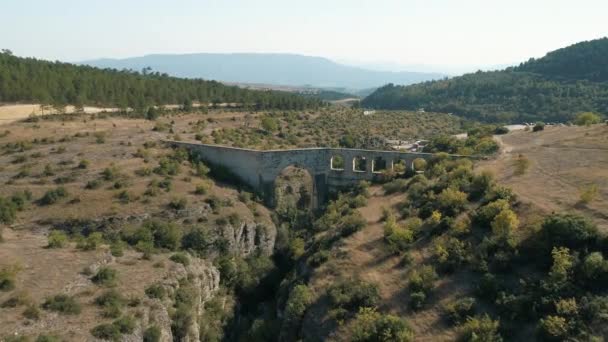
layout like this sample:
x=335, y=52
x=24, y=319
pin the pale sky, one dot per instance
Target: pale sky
x=448, y=33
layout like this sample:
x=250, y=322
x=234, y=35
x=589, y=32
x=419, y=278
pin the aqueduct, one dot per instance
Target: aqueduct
x=330, y=168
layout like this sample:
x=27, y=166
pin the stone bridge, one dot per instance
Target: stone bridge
x=330, y=168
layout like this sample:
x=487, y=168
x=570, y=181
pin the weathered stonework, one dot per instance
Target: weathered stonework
x=259, y=169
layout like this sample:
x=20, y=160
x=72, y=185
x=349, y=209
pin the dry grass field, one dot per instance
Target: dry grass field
x=563, y=162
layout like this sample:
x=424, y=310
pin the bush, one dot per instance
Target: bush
x=351, y=294
x=178, y=203
x=398, y=185
x=540, y=126
x=32, y=312
x=57, y=239
x=371, y=326
x=8, y=211
x=417, y=300
x=155, y=291
x=107, y=332
x=125, y=324
x=501, y=130
x=458, y=310
x=152, y=334
x=423, y=279
x=568, y=230
x=63, y=304
x=53, y=196
x=297, y=303
x=451, y=201
x=589, y=193
x=7, y=277
x=47, y=338
x=105, y=276
x=181, y=258
x=197, y=240
x=587, y=118
x=111, y=302
x=478, y=329
x=91, y=242
x=553, y=328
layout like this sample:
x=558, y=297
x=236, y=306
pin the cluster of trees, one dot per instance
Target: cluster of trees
x=584, y=60
x=553, y=88
x=548, y=277
x=56, y=83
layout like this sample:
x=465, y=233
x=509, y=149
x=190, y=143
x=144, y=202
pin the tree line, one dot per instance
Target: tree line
x=57, y=83
x=553, y=88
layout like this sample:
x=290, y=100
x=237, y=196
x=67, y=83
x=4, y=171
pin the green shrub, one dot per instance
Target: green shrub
x=91, y=242
x=297, y=303
x=53, y=196
x=417, y=300
x=31, y=312
x=57, y=239
x=47, y=338
x=92, y=184
x=178, y=203
x=167, y=167
x=63, y=304
x=107, y=332
x=371, y=326
x=553, y=328
x=451, y=201
x=155, y=291
x=568, y=230
x=7, y=277
x=84, y=164
x=477, y=329
x=152, y=334
x=587, y=118
x=501, y=130
x=351, y=294
x=182, y=321
x=398, y=185
x=125, y=324
x=198, y=240
x=111, y=302
x=589, y=193
x=423, y=279
x=8, y=211
x=181, y=258
x=458, y=310
x=539, y=126
x=105, y=276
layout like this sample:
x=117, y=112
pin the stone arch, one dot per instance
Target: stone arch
x=359, y=164
x=419, y=165
x=381, y=165
x=294, y=187
x=336, y=162
x=400, y=166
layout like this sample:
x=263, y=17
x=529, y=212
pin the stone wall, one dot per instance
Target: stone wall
x=259, y=169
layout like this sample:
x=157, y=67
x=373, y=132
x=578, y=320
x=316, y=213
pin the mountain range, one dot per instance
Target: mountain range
x=267, y=68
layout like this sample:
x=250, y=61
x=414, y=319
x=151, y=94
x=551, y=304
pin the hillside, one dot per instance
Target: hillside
x=54, y=83
x=552, y=88
x=275, y=69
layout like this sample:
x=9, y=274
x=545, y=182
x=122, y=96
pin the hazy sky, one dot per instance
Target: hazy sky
x=446, y=33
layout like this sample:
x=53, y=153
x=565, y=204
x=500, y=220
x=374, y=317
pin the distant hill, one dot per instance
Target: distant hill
x=552, y=88
x=275, y=69
x=32, y=80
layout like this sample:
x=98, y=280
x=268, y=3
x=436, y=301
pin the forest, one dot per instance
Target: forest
x=57, y=83
x=553, y=88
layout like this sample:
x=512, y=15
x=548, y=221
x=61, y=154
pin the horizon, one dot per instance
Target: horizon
x=388, y=34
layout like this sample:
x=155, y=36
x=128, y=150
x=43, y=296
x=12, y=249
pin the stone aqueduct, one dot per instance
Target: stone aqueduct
x=259, y=169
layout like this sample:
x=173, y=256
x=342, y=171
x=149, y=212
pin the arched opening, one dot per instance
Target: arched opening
x=359, y=164
x=399, y=166
x=337, y=163
x=380, y=165
x=293, y=193
x=419, y=165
